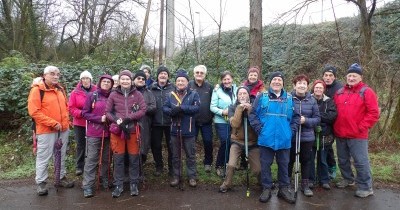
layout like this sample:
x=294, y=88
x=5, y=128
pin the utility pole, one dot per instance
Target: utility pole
x=199, y=42
x=161, y=48
x=170, y=42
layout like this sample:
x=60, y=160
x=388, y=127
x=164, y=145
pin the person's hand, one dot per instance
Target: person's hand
x=103, y=118
x=176, y=110
x=302, y=120
x=57, y=127
x=225, y=112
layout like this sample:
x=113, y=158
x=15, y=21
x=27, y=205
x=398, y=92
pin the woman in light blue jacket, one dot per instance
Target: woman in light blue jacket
x=223, y=96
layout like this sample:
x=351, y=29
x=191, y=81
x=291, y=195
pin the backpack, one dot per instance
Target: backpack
x=33, y=126
x=361, y=92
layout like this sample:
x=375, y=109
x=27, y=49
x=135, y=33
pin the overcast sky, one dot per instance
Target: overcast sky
x=236, y=14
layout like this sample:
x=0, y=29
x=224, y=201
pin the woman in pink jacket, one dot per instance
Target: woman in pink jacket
x=75, y=105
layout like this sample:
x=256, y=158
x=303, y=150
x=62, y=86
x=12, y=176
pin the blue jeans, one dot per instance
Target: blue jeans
x=358, y=150
x=322, y=165
x=282, y=159
x=224, y=134
x=206, y=135
x=189, y=146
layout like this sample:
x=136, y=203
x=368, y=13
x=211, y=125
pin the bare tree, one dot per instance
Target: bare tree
x=255, y=49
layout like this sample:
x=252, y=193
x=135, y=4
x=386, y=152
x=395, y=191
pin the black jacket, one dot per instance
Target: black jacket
x=328, y=113
x=204, y=116
x=160, y=93
x=331, y=89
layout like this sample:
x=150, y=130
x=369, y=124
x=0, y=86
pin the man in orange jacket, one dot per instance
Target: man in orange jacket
x=47, y=105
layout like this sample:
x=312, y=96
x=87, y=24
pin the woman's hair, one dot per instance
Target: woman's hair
x=225, y=73
x=301, y=77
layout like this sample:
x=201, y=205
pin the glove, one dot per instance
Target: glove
x=318, y=129
x=176, y=110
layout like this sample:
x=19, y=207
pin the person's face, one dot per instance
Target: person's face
x=147, y=73
x=199, y=74
x=227, y=81
x=125, y=81
x=162, y=77
x=243, y=96
x=116, y=83
x=52, y=77
x=139, y=81
x=301, y=87
x=253, y=77
x=276, y=84
x=181, y=83
x=86, y=82
x=105, y=84
x=353, y=78
x=328, y=78
x=318, y=90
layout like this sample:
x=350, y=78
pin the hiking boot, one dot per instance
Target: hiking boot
x=158, y=172
x=42, y=189
x=207, y=168
x=174, y=182
x=223, y=188
x=326, y=186
x=286, y=195
x=88, y=193
x=345, y=183
x=311, y=185
x=105, y=184
x=307, y=191
x=220, y=171
x=134, y=190
x=64, y=182
x=78, y=172
x=192, y=182
x=265, y=195
x=117, y=191
x=364, y=193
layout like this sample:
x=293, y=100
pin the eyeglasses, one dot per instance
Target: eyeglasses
x=199, y=72
x=141, y=78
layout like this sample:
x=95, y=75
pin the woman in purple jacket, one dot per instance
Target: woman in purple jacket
x=125, y=107
x=98, y=137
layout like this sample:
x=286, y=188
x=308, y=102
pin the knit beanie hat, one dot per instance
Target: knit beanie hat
x=182, y=73
x=143, y=67
x=139, y=73
x=125, y=73
x=329, y=68
x=276, y=74
x=355, y=68
x=316, y=82
x=86, y=74
x=254, y=69
x=161, y=69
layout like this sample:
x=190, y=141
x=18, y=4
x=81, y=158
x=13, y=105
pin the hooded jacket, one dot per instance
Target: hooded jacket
x=308, y=108
x=145, y=122
x=95, y=108
x=161, y=93
x=220, y=100
x=356, y=114
x=77, y=101
x=50, y=110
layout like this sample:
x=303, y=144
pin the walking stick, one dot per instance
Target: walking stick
x=139, y=139
x=318, y=131
x=100, y=164
x=180, y=155
x=246, y=147
x=226, y=148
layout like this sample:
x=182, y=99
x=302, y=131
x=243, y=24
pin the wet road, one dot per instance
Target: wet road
x=23, y=196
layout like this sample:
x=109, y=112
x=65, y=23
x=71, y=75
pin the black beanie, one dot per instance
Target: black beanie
x=161, y=69
x=355, y=68
x=276, y=74
x=140, y=73
x=329, y=68
x=182, y=73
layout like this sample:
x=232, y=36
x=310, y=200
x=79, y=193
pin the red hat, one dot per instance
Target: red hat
x=254, y=69
x=316, y=82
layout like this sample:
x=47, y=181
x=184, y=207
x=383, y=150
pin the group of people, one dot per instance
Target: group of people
x=131, y=113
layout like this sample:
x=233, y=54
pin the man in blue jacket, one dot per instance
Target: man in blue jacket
x=274, y=120
x=182, y=105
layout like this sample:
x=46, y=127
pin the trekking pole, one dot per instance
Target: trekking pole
x=100, y=164
x=297, y=163
x=318, y=131
x=180, y=155
x=226, y=149
x=246, y=147
x=139, y=139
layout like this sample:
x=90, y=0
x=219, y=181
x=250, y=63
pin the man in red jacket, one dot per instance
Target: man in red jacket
x=358, y=111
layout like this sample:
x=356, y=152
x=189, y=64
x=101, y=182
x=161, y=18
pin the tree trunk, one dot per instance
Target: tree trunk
x=395, y=127
x=255, y=48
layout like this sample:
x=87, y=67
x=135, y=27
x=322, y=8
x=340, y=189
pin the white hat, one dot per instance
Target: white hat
x=86, y=74
x=115, y=77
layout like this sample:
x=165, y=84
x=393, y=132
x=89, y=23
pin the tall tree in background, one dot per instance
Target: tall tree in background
x=255, y=49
